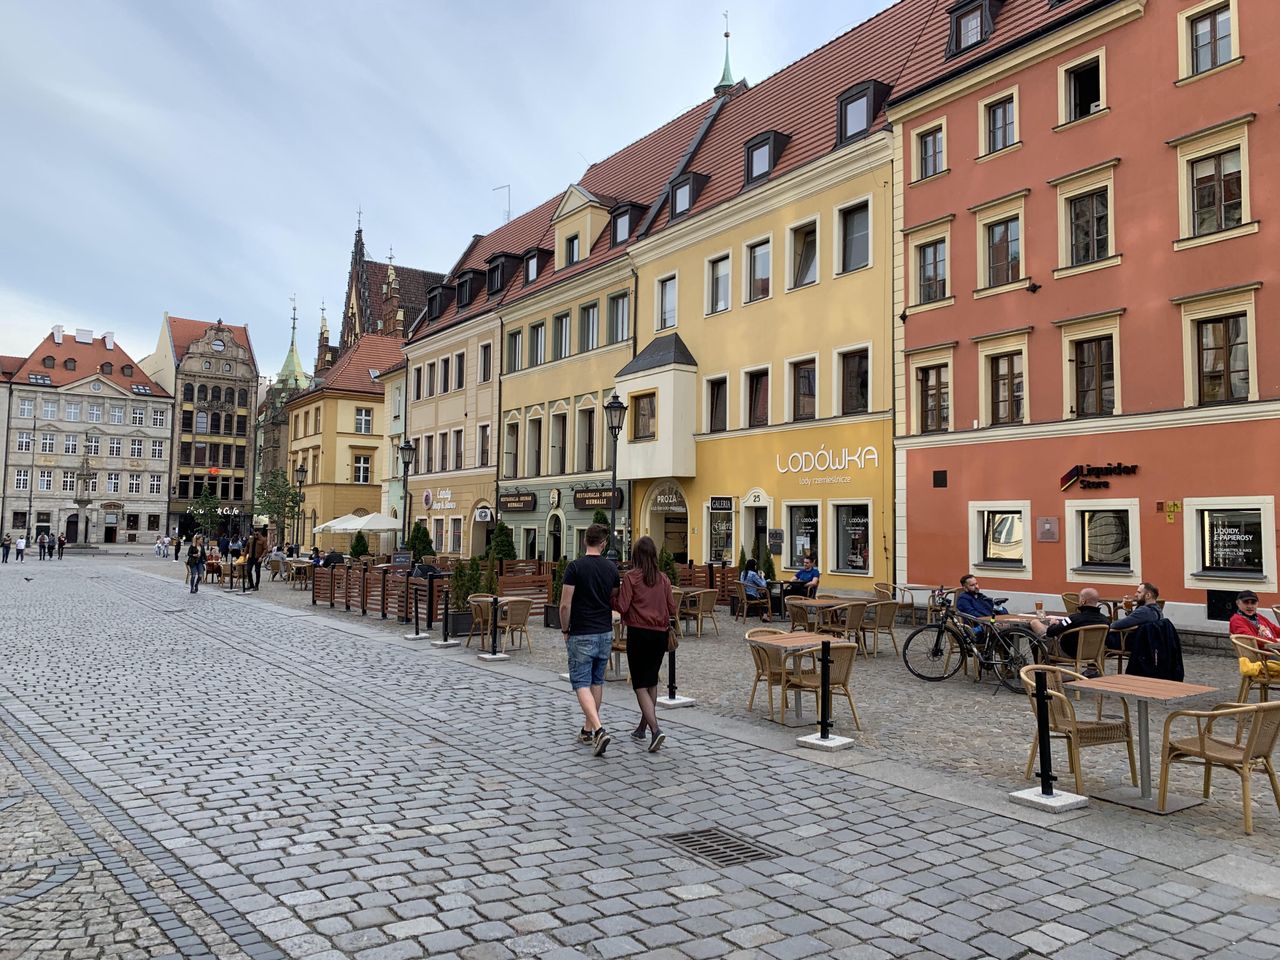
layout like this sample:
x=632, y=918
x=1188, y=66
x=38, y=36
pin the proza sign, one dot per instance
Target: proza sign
x=1095, y=478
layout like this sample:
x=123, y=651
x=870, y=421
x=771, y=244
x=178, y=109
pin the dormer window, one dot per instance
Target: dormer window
x=126, y=370
x=971, y=23
x=857, y=107
x=69, y=363
x=684, y=193
x=495, y=278
x=48, y=362
x=621, y=230
x=106, y=369
x=571, y=250
x=433, y=304
x=762, y=154
x=464, y=292
x=531, y=268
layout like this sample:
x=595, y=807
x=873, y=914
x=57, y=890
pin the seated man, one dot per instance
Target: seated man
x=1145, y=611
x=334, y=558
x=1246, y=621
x=805, y=582
x=972, y=602
x=1087, y=614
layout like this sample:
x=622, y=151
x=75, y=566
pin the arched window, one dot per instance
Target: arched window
x=48, y=362
x=126, y=369
x=106, y=368
x=228, y=424
x=69, y=363
x=202, y=393
x=188, y=392
x=215, y=425
x=243, y=400
x=216, y=395
x=202, y=421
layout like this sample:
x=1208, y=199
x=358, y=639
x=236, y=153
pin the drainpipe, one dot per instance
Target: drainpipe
x=499, y=436
x=891, y=260
x=8, y=422
x=635, y=328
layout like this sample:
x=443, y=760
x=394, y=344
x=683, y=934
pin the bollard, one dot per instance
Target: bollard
x=671, y=674
x=431, y=600
x=493, y=627
x=416, y=631
x=1042, y=729
x=824, y=693
x=444, y=617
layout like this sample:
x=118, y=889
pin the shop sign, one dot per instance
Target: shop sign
x=1093, y=478
x=776, y=540
x=824, y=461
x=1234, y=541
x=444, y=500
x=427, y=499
x=484, y=515
x=722, y=504
x=221, y=511
x=596, y=499
x=669, y=499
x=518, y=502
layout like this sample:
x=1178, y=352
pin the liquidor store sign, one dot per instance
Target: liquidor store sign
x=823, y=461
x=1094, y=478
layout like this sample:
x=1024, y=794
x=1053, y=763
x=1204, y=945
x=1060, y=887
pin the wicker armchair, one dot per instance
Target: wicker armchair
x=480, y=605
x=771, y=665
x=1257, y=725
x=802, y=617
x=933, y=610
x=1091, y=648
x=1064, y=725
x=810, y=681
x=884, y=613
x=884, y=591
x=746, y=604
x=845, y=621
x=1071, y=602
x=706, y=610
x=1247, y=649
x=513, y=622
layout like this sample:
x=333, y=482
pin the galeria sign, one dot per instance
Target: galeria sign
x=823, y=460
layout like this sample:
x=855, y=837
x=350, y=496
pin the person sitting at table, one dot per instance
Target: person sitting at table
x=316, y=559
x=756, y=587
x=1146, y=610
x=972, y=602
x=805, y=582
x=333, y=558
x=1246, y=621
x=1087, y=613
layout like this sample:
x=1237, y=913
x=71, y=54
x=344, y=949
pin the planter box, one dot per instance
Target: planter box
x=459, y=622
x=733, y=606
x=551, y=616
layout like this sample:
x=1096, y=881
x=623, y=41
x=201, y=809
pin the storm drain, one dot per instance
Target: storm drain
x=719, y=848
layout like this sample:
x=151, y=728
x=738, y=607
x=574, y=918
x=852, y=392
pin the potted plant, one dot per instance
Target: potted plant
x=551, y=611
x=359, y=545
x=461, y=586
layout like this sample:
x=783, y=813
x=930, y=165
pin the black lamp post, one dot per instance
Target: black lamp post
x=299, y=477
x=406, y=460
x=615, y=412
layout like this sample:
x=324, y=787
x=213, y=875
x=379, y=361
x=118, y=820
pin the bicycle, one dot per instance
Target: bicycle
x=937, y=651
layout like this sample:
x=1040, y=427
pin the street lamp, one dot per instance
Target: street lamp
x=299, y=477
x=615, y=412
x=406, y=460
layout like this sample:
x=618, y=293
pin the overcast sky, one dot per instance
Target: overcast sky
x=207, y=158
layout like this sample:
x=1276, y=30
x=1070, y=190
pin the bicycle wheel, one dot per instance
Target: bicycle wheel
x=1014, y=648
x=934, y=652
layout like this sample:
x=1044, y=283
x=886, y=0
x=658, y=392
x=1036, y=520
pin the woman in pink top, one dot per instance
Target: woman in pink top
x=647, y=606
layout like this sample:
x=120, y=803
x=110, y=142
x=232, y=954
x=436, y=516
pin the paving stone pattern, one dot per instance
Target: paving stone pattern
x=234, y=779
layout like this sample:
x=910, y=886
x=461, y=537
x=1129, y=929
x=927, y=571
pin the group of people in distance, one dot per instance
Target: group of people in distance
x=47, y=543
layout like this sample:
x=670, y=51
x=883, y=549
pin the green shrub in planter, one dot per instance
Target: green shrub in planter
x=359, y=545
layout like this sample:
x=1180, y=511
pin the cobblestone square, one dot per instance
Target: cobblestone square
x=248, y=776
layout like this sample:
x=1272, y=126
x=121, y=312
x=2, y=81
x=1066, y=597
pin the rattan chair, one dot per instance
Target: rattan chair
x=770, y=664
x=513, y=622
x=884, y=613
x=802, y=617
x=845, y=621
x=810, y=681
x=907, y=599
x=479, y=604
x=746, y=603
x=1257, y=725
x=1064, y=725
x=884, y=591
x=757, y=632
x=1071, y=602
x=1091, y=647
x=1121, y=653
x=706, y=610
x=933, y=610
x=1247, y=649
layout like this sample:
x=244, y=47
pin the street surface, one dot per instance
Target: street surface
x=219, y=775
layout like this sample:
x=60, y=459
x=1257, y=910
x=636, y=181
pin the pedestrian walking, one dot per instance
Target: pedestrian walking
x=62, y=544
x=42, y=542
x=5, y=546
x=256, y=549
x=195, y=562
x=586, y=613
x=164, y=547
x=20, y=545
x=647, y=606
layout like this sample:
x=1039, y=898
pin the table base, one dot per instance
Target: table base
x=1132, y=797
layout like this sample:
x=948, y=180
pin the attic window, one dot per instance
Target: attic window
x=106, y=368
x=126, y=369
x=762, y=154
x=971, y=22
x=48, y=362
x=684, y=193
x=571, y=250
x=69, y=363
x=531, y=268
x=464, y=292
x=856, y=107
x=621, y=226
x=433, y=304
x=495, y=278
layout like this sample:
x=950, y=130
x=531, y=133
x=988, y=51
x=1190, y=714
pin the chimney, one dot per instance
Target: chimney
x=109, y=340
x=83, y=335
x=57, y=334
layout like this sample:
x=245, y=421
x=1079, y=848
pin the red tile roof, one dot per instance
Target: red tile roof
x=350, y=372
x=9, y=366
x=88, y=358
x=414, y=284
x=184, y=332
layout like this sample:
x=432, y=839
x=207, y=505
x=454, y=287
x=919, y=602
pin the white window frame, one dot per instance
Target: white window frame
x=837, y=235
x=49, y=409
x=814, y=221
x=788, y=402
x=1191, y=542
x=136, y=449
x=746, y=269
x=837, y=377
x=1185, y=17
x=975, y=510
x=785, y=556
x=871, y=536
x=657, y=301
x=939, y=123
x=1074, y=571
x=983, y=153
x=708, y=304
x=157, y=449
x=744, y=395
x=26, y=407
x=706, y=401
x=482, y=445
x=480, y=377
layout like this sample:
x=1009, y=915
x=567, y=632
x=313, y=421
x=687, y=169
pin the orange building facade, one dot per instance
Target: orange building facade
x=1086, y=386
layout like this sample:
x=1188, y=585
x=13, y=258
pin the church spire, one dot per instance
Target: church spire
x=726, y=76
x=293, y=369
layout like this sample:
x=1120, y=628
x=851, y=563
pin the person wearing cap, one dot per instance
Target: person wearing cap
x=1246, y=621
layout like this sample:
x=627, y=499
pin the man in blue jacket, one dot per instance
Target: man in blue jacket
x=972, y=602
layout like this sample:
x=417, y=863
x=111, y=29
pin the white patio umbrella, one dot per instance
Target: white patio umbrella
x=373, y=523
x=338, y=524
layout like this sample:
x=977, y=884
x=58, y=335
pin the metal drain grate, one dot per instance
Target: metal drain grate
x=719, y=848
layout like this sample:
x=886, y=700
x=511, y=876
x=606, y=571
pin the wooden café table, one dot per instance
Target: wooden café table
x=788, y=644
x=1144, y=690
x=818, y=606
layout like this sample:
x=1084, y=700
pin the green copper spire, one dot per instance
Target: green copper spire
x=726, y=77
x=293, y=369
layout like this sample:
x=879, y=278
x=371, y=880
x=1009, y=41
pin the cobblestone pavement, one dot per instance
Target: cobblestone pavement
x=215, y=775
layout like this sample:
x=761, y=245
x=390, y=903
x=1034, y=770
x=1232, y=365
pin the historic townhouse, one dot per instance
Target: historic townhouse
x=88, y=443
x=272, y=437
x=210, y=370
x=568, y=328
x=1085, y=386
x=392, y=470
x=338, y=432
x=759, y=410
x=452, y=384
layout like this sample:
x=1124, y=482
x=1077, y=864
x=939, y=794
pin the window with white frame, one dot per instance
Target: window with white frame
x=759, y=270
x=619, y=317
x=459, y=370
x=157, y=449
x=537, y=344
x=442, y=442
x=511, y=450
x=486, y=362
x=91, y=443
x=718, y=405
x=428, y=454
x=135, y=483
x=804, y=255
x=667, y=303
x=455, y=535
x=561, y=337
x=855, y=381
x=70, y=443
x=852, y=538
x=802, y=533
x=364, y=419
x=438, y=531
x=931, y=271
x=1210, y=39
x=116, y=414
x=445, y=384
x=73, y=410
x=45, y=480
x=588, y=326
x=457, y=449
x=158, y=418
x=757, y=397
x=515, y=350
x=533, y=447
x=113, y=483
x=49, y=409
x=68, y=481
x=998, y=534
x=24, y=441
x=360, y=468
x=21, y=478
x=135, y=448
x=1000, y=124
x=46, y=443
x=1213, y=180
x=855, y=237
x=482, y=445
x=95, y=413
x=26, y=407
x=156, y=483
x=804, y=389
x=137, y=416
x=718, y=284
x=1229, y=543
x=929, y=153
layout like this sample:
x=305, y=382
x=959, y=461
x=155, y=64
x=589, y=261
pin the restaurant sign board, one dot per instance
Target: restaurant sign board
x=518, y=502
x=598, y=499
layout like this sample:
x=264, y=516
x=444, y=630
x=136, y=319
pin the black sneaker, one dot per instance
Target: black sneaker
x=602, y=741
x=638, y=733
x=656, y=743
x=1091, y=672
x=584, y=735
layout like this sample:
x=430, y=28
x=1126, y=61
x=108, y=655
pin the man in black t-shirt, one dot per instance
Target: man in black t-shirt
x=586, y=620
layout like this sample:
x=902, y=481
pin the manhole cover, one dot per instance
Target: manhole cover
x=719, y=848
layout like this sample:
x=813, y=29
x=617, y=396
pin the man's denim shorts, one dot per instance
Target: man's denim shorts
x=588, y=657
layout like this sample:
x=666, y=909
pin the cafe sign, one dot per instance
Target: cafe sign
x=818, y=466
x=596, y=499
x=518, y=502
x=443, y=500
x=668, y=498
x=721, y=504
x=1092, y=477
